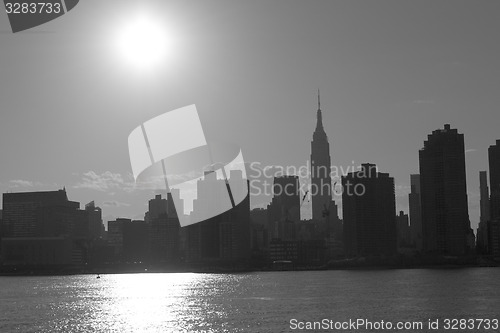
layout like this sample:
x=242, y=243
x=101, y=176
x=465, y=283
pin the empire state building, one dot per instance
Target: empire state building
x=321, y=182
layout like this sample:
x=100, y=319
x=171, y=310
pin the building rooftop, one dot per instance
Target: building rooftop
x=42, y=196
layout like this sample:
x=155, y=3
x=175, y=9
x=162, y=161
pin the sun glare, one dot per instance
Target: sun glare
x=144, y=42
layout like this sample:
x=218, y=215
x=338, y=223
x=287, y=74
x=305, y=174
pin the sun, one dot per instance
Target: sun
x=144, y=42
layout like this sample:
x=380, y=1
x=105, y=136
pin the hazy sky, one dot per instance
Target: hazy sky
x=390, y=72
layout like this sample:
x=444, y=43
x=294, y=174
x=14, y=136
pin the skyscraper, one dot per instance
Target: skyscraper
x=494, y=223
x=369, y=206
x=415, y=212
x=482, y=230
x=284, y=209
x=403, y=228
x=321, y=182
x=494, y=161
x=445, y=213
x=164, y=228
x=96, y=227
x=484, y=200
x=157, y=219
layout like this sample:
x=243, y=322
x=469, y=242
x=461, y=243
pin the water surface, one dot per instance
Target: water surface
x=253, y=302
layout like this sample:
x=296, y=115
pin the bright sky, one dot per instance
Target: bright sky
x=390, y=72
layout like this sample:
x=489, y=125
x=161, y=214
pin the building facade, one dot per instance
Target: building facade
x=284, y=210
x=494, y=222
x=369, y=207
x=445, y=215
x=415, y=212
x=494, y=162
x=44, y=229
x=484, y=206
x=224, y=237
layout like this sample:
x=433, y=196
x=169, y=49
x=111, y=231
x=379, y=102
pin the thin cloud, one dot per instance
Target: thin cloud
x=100, y=182
x=113, y=182
x=114, y=204
x=21, y=183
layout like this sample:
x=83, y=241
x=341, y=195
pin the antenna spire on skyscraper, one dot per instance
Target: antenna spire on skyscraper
x=319, y=101
x=319, y=124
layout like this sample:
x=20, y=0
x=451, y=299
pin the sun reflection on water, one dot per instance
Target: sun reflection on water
x=178, y=302
x=147, y=302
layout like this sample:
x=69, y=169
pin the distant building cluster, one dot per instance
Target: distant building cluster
x=44, y=230
x=47, y=229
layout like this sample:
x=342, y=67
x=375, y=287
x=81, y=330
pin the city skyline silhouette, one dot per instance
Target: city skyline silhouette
x=249, y=166
x=383, y=89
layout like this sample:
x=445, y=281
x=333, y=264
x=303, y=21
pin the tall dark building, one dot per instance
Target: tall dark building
x=284, y=209
x=286, y=190
x=369, y=206
x=164, y=229
x=321, y=182
x=96, y=227
x=415, y=212
x=494, y=223
x=445, y=214
x=484, y=201
x=157, y=219
x=484, y=204
x=403, y=228
x=494, y=161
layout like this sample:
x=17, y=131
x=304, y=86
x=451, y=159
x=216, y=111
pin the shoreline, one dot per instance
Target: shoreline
x=221, y=269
